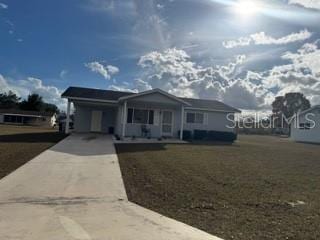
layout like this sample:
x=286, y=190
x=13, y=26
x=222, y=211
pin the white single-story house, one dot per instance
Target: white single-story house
x=306, y=126
x=32, y=118
x=154, y=113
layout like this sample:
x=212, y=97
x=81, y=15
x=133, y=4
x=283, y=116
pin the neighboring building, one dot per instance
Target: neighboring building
x=131, y=114
x=306, y=127
x=33, y=118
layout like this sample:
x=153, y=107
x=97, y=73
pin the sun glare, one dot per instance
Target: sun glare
x=246, y=7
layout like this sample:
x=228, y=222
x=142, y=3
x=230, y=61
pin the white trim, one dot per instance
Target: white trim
x=156, y=90
x=211, y=110
x=91, y=99
x=124, y=115
x=68, y=117
x=197, y=123
x=182, y=122
x=138, y=108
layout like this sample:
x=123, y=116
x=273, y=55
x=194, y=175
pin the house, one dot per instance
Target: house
x=306, y=126
x=154, y=113
x=33, y=118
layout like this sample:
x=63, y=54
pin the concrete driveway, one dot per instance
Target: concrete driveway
x=75, y=191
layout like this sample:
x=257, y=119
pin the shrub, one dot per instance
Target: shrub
x=200, y=134
x=187, y=135
x=221, y=136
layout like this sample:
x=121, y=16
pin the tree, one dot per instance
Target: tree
x=9, y=100
x=34, y=102
x=49, y=107
x=288, y=105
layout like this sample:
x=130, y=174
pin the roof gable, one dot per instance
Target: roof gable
x=154, y=92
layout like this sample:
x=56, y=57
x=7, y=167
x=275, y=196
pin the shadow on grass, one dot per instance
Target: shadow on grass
x=214, y=143
x=50, y=137
x=138, y=147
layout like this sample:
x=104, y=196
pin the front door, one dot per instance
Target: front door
x=96, y=117
x=167, y=123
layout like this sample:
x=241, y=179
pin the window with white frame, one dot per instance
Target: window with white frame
x=193, y=117
x=140, y=116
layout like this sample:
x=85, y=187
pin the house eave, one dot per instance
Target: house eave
x=90, y=99
x=154, y=91
x=212, y=110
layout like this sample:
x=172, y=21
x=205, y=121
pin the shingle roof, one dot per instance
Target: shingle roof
x=99, y=94
x=79, y=92
x=209, y=104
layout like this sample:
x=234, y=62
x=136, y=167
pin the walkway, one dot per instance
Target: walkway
x=75, y=191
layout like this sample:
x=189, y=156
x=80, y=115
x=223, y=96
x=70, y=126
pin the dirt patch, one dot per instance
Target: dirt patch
x=258, y=188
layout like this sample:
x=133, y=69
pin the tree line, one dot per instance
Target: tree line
x=34, y=102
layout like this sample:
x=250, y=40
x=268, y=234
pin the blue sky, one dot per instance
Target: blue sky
x=242, y=52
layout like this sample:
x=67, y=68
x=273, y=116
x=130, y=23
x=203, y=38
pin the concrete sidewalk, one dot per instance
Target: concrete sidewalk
x=75, y=191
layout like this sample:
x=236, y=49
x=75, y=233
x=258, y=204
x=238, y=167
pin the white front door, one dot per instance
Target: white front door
x=167, y=123
x=96, y=117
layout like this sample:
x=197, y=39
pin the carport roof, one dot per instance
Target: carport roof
x=110, y=95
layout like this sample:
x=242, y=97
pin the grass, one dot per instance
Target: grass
x=258, y=188
x=19, y=144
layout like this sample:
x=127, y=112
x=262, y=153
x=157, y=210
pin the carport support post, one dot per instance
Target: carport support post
x=68, y=117
x=124, y=120
x=182, y=121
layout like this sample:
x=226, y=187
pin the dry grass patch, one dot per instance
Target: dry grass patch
x=19, y=144
x=258, y=188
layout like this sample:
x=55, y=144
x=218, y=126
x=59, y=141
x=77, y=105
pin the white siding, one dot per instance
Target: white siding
x=214, y=121
x=304, y=135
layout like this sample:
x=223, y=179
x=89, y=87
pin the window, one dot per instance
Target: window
x=129, y=115
x=151, y=116
x=140, y=116
x=304, y=126
x=195, y=118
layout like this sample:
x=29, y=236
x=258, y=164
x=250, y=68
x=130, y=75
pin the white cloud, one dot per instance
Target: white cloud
x=63, y=73
x=173, y=70
x=3, y=6
x=301, y=74
x=306, y=3
x=24, y=87
x=160, y=6
x=263, y=39
x=106, y=71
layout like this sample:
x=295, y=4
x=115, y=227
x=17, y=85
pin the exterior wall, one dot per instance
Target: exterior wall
x=158, y=103
x=214, y=121
x=113, y=116
x=303, y=135
x=82, y=118
x=1, y=118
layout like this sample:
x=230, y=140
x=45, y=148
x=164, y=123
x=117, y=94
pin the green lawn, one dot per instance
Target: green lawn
x=19, y=144
x=258, y=188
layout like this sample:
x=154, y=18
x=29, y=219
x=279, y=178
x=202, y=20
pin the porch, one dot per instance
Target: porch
x=150, y=116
